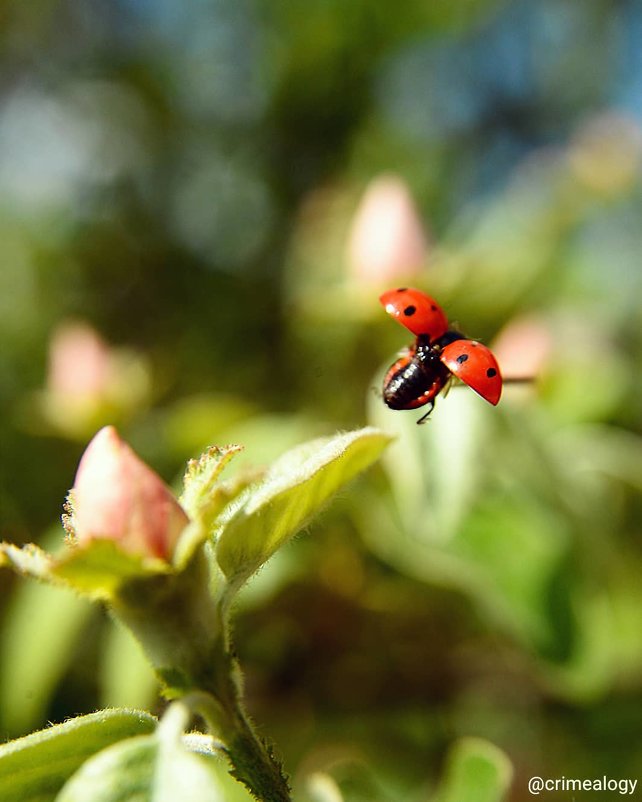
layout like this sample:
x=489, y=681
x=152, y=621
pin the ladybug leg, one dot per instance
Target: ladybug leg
x=424, y=417
x=447, y=386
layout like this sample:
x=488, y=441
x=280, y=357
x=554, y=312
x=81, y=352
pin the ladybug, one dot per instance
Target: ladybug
x=427, y=367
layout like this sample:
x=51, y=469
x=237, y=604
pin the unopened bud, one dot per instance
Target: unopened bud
x=117, y=497
x=387, y=242
x=523, y=347
x=80, y=363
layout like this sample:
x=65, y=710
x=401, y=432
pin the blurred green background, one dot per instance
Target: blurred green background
x=200, y=203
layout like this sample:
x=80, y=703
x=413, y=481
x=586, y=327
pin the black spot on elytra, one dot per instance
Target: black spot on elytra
x=409, y=311
x=462, y=358
x=433, y=307
x=491, y=372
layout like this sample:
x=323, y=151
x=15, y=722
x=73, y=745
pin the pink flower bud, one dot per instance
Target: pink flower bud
x=80, y=362
x=117, y=497
x=523, y=347
x=89, y=382
x=387, y=242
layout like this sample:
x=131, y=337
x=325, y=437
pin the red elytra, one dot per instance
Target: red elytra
x=416, y=311
x=476, y=366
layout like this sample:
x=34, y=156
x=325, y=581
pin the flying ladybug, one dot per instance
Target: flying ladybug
x=438, y=354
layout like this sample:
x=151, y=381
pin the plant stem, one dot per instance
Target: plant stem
x=187, y=638
x=254, y=764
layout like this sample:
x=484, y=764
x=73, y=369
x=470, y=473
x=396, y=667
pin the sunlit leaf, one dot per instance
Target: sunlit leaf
x=204, y=496
x=200, y=498
x=29, y=560
x=99, y=568
x=96, y=570
x=153, y=768
x=34, y=768
x=122, y=772
x=267, y=515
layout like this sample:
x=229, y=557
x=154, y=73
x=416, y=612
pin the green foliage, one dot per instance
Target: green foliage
x=203, y=496
x=514, y=528
x=42, y=620
x=477, y=772
x=97, y=571
x=116, y=756
x=152, y=768
x=295, y=487
x=34, y=768
x=179, y=613
x=101, y=569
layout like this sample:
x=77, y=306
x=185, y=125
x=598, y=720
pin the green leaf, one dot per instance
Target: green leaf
x=34, y=768
x=204, y=496
x=434, y=470
x=268, y=514
x=28, y=560
x=199, y=498
x=123, y=772
x=156, y=768
x=477, y=771
x=99, y=568
x=96, y=570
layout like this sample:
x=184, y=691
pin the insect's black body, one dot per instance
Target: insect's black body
x=416, y=378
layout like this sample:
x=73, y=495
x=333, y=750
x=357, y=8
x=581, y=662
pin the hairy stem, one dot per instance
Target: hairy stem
x=253, y=761
x=187, y=638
